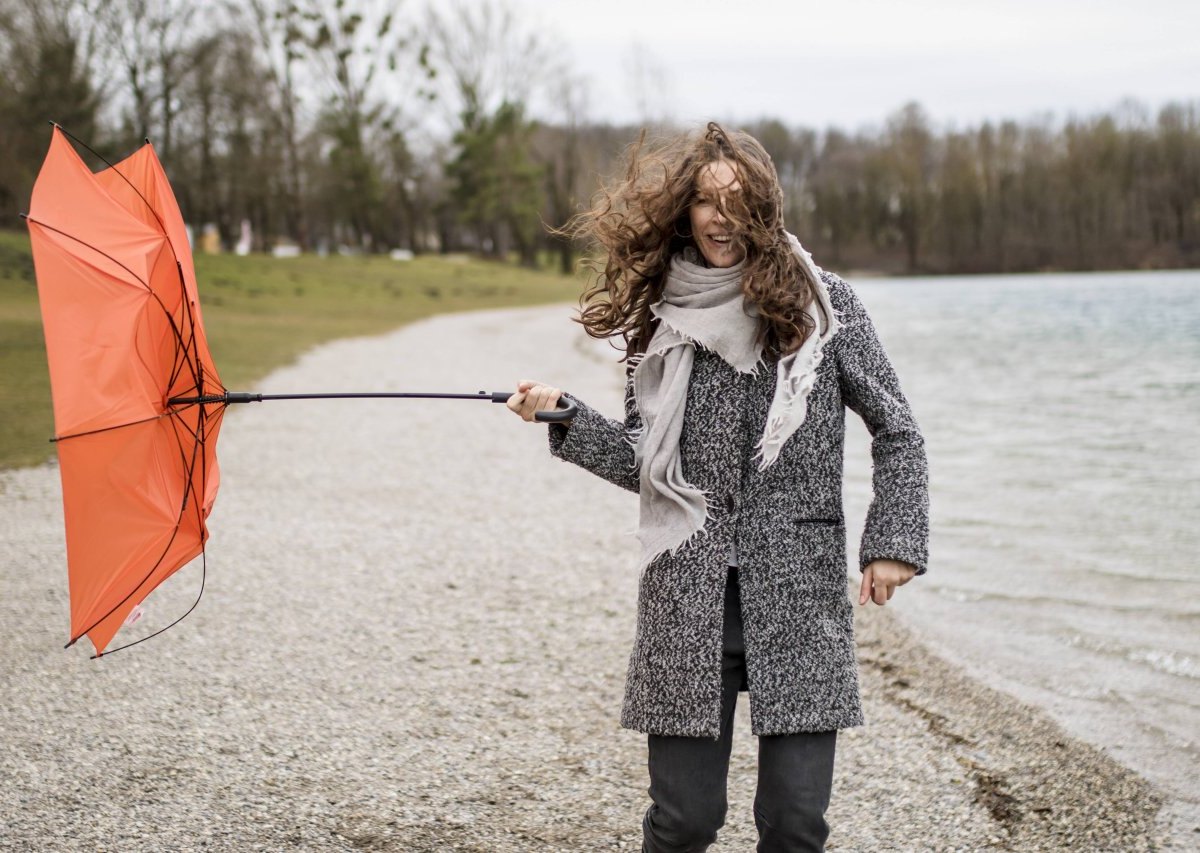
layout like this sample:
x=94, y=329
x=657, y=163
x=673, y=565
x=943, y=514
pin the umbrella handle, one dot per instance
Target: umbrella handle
x=565, y=411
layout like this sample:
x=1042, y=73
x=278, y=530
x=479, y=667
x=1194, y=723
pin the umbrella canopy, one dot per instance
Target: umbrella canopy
x=123, y=336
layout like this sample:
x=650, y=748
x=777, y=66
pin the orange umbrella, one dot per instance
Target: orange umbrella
x=123, y=335
x=137, y=399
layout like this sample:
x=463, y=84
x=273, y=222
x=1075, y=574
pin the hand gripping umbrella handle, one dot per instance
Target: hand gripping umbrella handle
x=565, y=411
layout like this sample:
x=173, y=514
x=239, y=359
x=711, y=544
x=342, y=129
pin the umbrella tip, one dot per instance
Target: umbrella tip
x=23, y=215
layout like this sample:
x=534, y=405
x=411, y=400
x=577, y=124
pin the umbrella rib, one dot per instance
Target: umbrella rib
x=191, y=467
x=182, y=354
x=132, y=186
x=195, y=434
x=178, y=366
x=186, y=357
x=199, y=595
x=136, y=277
x=198, y=507
x=180, y=358
x=58, y=438
x=169, y=413
x=197, y=375
x=178, y=266
x=133, y=591
x=215, y=381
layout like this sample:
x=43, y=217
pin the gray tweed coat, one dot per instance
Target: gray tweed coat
x=789, y=531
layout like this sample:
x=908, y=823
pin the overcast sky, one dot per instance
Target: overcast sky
x=849, y=62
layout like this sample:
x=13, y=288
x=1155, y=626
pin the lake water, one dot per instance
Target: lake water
x=1062, y=421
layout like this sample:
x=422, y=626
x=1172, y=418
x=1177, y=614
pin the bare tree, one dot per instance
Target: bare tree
x=911, y=152
x=351, y=52
x=153, y=41
x=1179, y=171
x=486, y=64
x=559, y=148
x=48, y=57
x=481, y=55
x=278, y=29
x=649, y=85
x=838, y=194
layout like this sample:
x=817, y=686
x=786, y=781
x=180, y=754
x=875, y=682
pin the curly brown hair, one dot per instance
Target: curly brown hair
x=640, y=220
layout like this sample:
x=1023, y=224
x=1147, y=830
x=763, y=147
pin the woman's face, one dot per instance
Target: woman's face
x=710, y=230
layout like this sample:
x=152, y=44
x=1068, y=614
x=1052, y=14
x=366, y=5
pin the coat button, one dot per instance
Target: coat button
x=729, y=503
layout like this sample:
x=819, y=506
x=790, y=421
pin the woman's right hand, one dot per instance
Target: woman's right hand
x=533, y=397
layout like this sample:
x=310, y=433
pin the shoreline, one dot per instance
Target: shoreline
x=392, y=661
x=1039, y=587
x=1042, y=788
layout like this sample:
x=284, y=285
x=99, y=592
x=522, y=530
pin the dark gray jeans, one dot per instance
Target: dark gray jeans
x=687, y=774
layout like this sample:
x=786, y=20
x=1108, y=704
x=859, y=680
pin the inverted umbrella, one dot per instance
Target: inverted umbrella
x=137, y=399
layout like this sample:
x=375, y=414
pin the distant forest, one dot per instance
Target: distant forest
x=457, y=127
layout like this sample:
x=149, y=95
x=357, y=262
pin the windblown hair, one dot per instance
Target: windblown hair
x=639, y=221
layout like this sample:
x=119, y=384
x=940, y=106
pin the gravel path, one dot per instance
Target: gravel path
x=414, y=638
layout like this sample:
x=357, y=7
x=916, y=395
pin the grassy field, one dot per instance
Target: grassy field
x=259, y=313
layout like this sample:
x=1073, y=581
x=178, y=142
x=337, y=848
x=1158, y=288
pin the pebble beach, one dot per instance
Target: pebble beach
x=413, y=637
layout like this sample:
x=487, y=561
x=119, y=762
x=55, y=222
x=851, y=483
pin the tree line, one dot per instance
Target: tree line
x=457, y=127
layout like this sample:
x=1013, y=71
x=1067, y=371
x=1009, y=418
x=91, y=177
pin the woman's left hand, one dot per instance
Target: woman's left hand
x=880, y=579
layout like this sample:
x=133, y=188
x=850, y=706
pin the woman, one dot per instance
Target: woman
x=742, y=357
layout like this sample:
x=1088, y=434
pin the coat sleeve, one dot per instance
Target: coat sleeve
x=599, y=444
x=897, y=526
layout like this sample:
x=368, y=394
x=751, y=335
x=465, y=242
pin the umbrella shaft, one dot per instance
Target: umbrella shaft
x=563, y=414
x=250, y=397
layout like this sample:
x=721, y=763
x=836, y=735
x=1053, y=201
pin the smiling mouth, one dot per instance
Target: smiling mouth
x=725, y=241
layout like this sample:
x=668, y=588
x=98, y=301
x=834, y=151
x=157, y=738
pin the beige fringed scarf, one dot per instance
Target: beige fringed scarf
x=705, y=306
